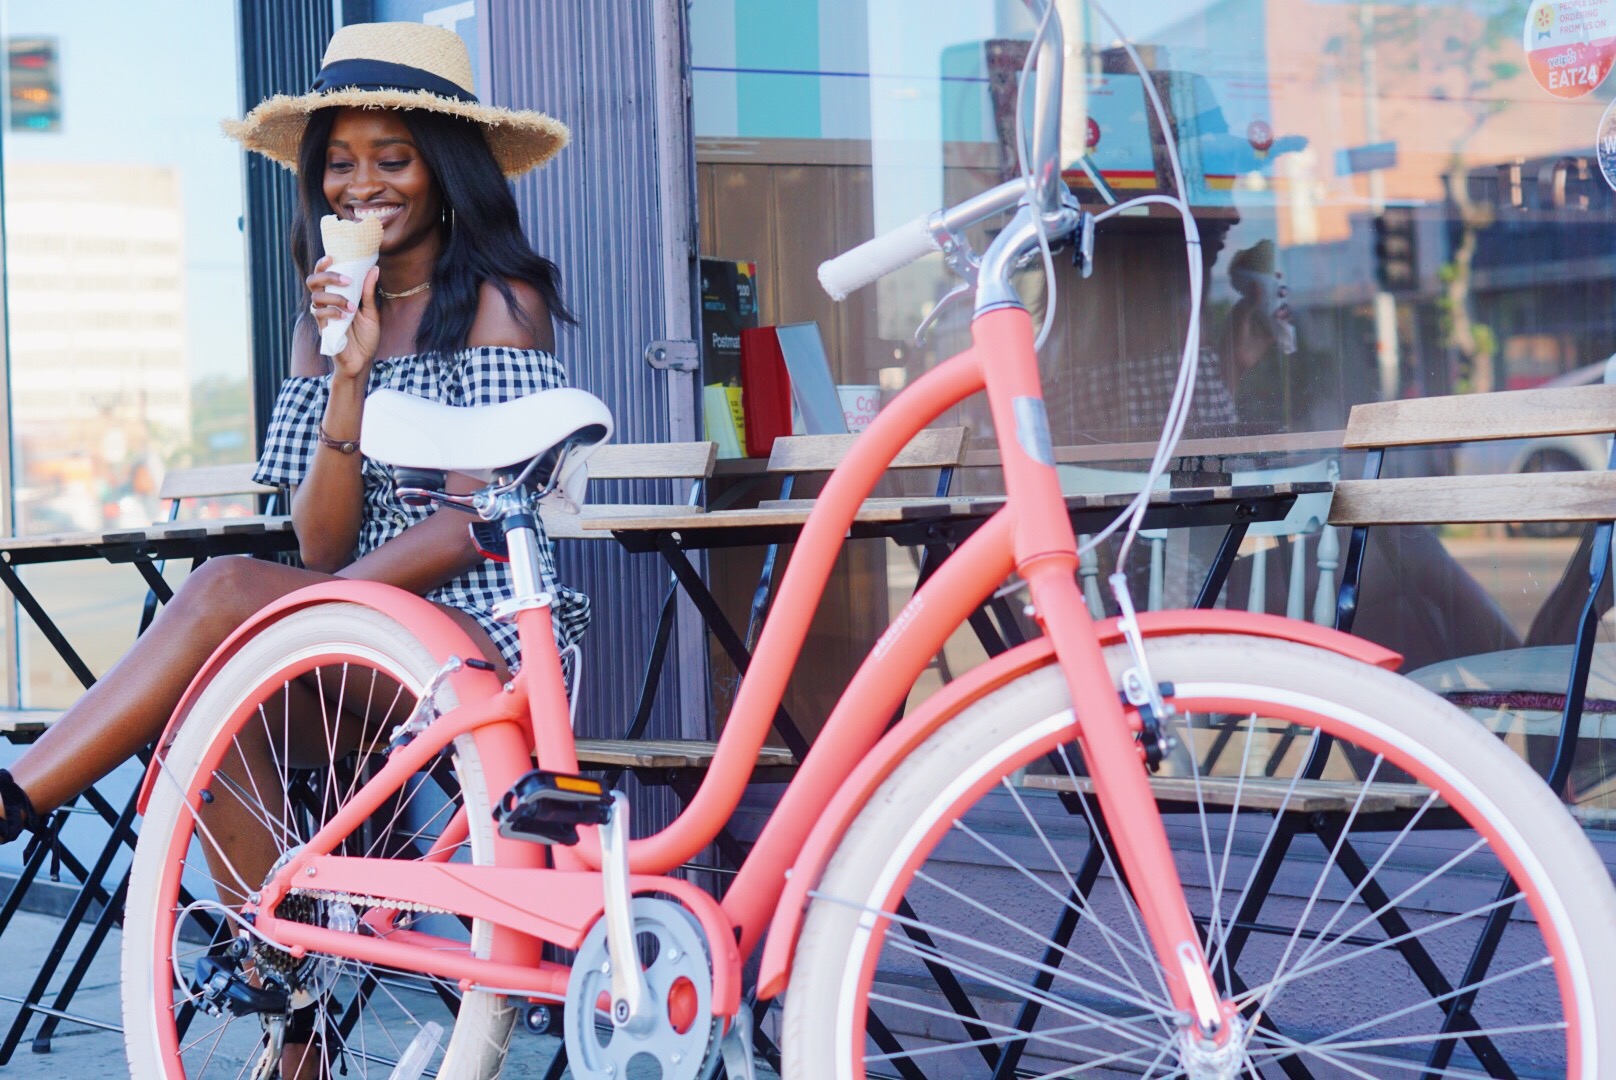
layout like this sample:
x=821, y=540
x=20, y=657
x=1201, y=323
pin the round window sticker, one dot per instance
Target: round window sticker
x=1570, y=44
x=1605, y=148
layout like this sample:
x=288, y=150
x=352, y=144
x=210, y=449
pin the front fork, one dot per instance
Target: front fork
x=1116, y=766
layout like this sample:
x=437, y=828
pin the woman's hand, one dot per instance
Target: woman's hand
x=365, y=330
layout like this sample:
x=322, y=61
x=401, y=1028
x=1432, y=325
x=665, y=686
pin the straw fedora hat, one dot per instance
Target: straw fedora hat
x=399, y=65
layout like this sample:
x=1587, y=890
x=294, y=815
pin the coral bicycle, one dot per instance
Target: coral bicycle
x=994, y=887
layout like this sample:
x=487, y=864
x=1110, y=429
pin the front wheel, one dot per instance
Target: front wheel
x=1353, y=849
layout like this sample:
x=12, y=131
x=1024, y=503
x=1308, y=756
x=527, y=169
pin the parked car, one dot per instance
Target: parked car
x=1566, y=453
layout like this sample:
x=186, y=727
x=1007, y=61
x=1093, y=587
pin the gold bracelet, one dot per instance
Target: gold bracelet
x=341, y=446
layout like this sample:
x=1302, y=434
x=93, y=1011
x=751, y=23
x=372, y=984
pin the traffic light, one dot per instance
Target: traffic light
x=1397, y=265
x=35, y=86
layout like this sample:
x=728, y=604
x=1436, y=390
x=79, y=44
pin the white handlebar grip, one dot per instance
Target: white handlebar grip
x=876, y=258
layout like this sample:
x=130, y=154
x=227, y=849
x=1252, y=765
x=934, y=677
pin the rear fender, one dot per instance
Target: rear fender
x=435, y=629
x=954, y=698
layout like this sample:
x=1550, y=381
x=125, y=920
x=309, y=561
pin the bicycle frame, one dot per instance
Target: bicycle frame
x=530, y=902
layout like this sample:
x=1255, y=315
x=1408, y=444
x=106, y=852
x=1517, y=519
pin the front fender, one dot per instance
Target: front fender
x=435, y=629
x=941, y=707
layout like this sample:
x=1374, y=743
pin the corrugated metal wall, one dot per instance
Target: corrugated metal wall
x=596, y=211
x=281, y=45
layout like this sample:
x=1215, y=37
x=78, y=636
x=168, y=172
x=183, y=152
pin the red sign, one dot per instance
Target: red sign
x=1260, y=136
x=1570, y=44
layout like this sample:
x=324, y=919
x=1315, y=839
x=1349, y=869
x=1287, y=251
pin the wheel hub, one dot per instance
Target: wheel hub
x=312, y=975
x=1203, y=1059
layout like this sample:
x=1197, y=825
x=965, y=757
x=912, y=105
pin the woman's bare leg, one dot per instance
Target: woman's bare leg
x=128, y=707
x=131, y=704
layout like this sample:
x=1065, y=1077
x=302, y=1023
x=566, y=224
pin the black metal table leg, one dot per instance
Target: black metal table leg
x=58, y=949
x=47, y=626
x=111, y=913
x=1065, y=927
x=1218, y=573
x=653, y=676
x=728, y=639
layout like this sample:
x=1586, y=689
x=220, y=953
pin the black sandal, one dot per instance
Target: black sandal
x=20, y=816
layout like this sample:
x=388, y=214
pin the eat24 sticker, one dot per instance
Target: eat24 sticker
x=1570, y=44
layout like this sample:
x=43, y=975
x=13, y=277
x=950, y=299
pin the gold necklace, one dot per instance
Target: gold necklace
x=421, y=288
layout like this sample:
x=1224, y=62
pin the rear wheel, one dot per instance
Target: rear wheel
x=974, y=923
x=318, y=694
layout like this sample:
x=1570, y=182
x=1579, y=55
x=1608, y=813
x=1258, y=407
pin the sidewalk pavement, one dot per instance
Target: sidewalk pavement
x=86, y=1053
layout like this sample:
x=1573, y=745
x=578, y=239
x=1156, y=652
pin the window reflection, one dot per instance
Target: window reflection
x=127, y=344
x=1393, y=202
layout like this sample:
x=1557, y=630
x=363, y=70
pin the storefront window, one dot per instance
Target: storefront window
x=1395, y=199
x=127, y=349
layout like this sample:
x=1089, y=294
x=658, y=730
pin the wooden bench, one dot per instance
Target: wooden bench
x=635, y=461
x=646, y=528
x=1446, y=500
x=1271, y=794
x=1586, y=497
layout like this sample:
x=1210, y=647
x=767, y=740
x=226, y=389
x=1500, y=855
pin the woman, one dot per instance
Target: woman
x=458, y=309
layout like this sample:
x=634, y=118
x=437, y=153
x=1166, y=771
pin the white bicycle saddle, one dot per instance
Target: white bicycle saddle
x=412, y=432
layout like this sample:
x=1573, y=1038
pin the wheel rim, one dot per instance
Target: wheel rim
x=364, y=1017
x=1083, y=994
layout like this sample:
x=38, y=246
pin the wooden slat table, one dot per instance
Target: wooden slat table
x=937, y=524
x=143, y=548
x=948, y=519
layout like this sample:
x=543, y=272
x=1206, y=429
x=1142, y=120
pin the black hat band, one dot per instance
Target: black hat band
x=381, y=75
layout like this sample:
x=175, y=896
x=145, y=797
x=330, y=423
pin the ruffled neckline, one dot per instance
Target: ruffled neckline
x=454, y=357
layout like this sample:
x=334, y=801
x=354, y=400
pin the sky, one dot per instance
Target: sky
x=146, y=83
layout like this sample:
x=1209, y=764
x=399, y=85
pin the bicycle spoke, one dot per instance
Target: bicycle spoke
x=1080, y=905
x=1265, y=1002
x=1257, y=863
x=1003, y=954
x=1128, y=906
x=1043, y=939
x=1381, y=945
x=1341, y=1059
x=992, y=977
x=1015, y=1034
x=1071, y=884
x=1357, y=890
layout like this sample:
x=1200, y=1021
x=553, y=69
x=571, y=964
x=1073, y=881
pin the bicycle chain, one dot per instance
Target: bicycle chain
x=361, y=900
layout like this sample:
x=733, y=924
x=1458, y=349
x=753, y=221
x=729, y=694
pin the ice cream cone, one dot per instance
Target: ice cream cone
x=353, y=247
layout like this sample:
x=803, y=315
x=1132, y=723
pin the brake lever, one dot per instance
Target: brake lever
x=414, y=496
x=964, y=288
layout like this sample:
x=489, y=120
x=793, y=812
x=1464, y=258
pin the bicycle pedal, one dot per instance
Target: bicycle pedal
x=548, y=807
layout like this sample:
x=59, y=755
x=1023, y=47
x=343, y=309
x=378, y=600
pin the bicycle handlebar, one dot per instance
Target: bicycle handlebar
x=916, y=239
x=877, y=258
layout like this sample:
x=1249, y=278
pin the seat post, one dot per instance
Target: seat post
x=522, y=542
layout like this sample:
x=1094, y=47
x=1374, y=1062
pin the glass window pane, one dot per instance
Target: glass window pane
x=1395, y=199
x=126, y=288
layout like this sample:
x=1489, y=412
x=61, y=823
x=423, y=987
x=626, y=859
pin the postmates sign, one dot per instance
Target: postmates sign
x=1570, y=44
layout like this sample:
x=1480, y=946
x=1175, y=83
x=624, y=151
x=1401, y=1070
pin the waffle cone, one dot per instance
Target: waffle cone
x=348, y=241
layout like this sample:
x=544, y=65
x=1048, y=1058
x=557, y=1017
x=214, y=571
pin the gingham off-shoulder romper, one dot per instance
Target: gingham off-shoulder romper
x=480, y=376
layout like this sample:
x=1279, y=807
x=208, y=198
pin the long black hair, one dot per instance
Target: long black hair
x=482, y=231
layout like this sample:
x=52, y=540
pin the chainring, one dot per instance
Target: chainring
x=679, y=977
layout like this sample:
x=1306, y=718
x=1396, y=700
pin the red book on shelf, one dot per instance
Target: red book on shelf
x=765, y=390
